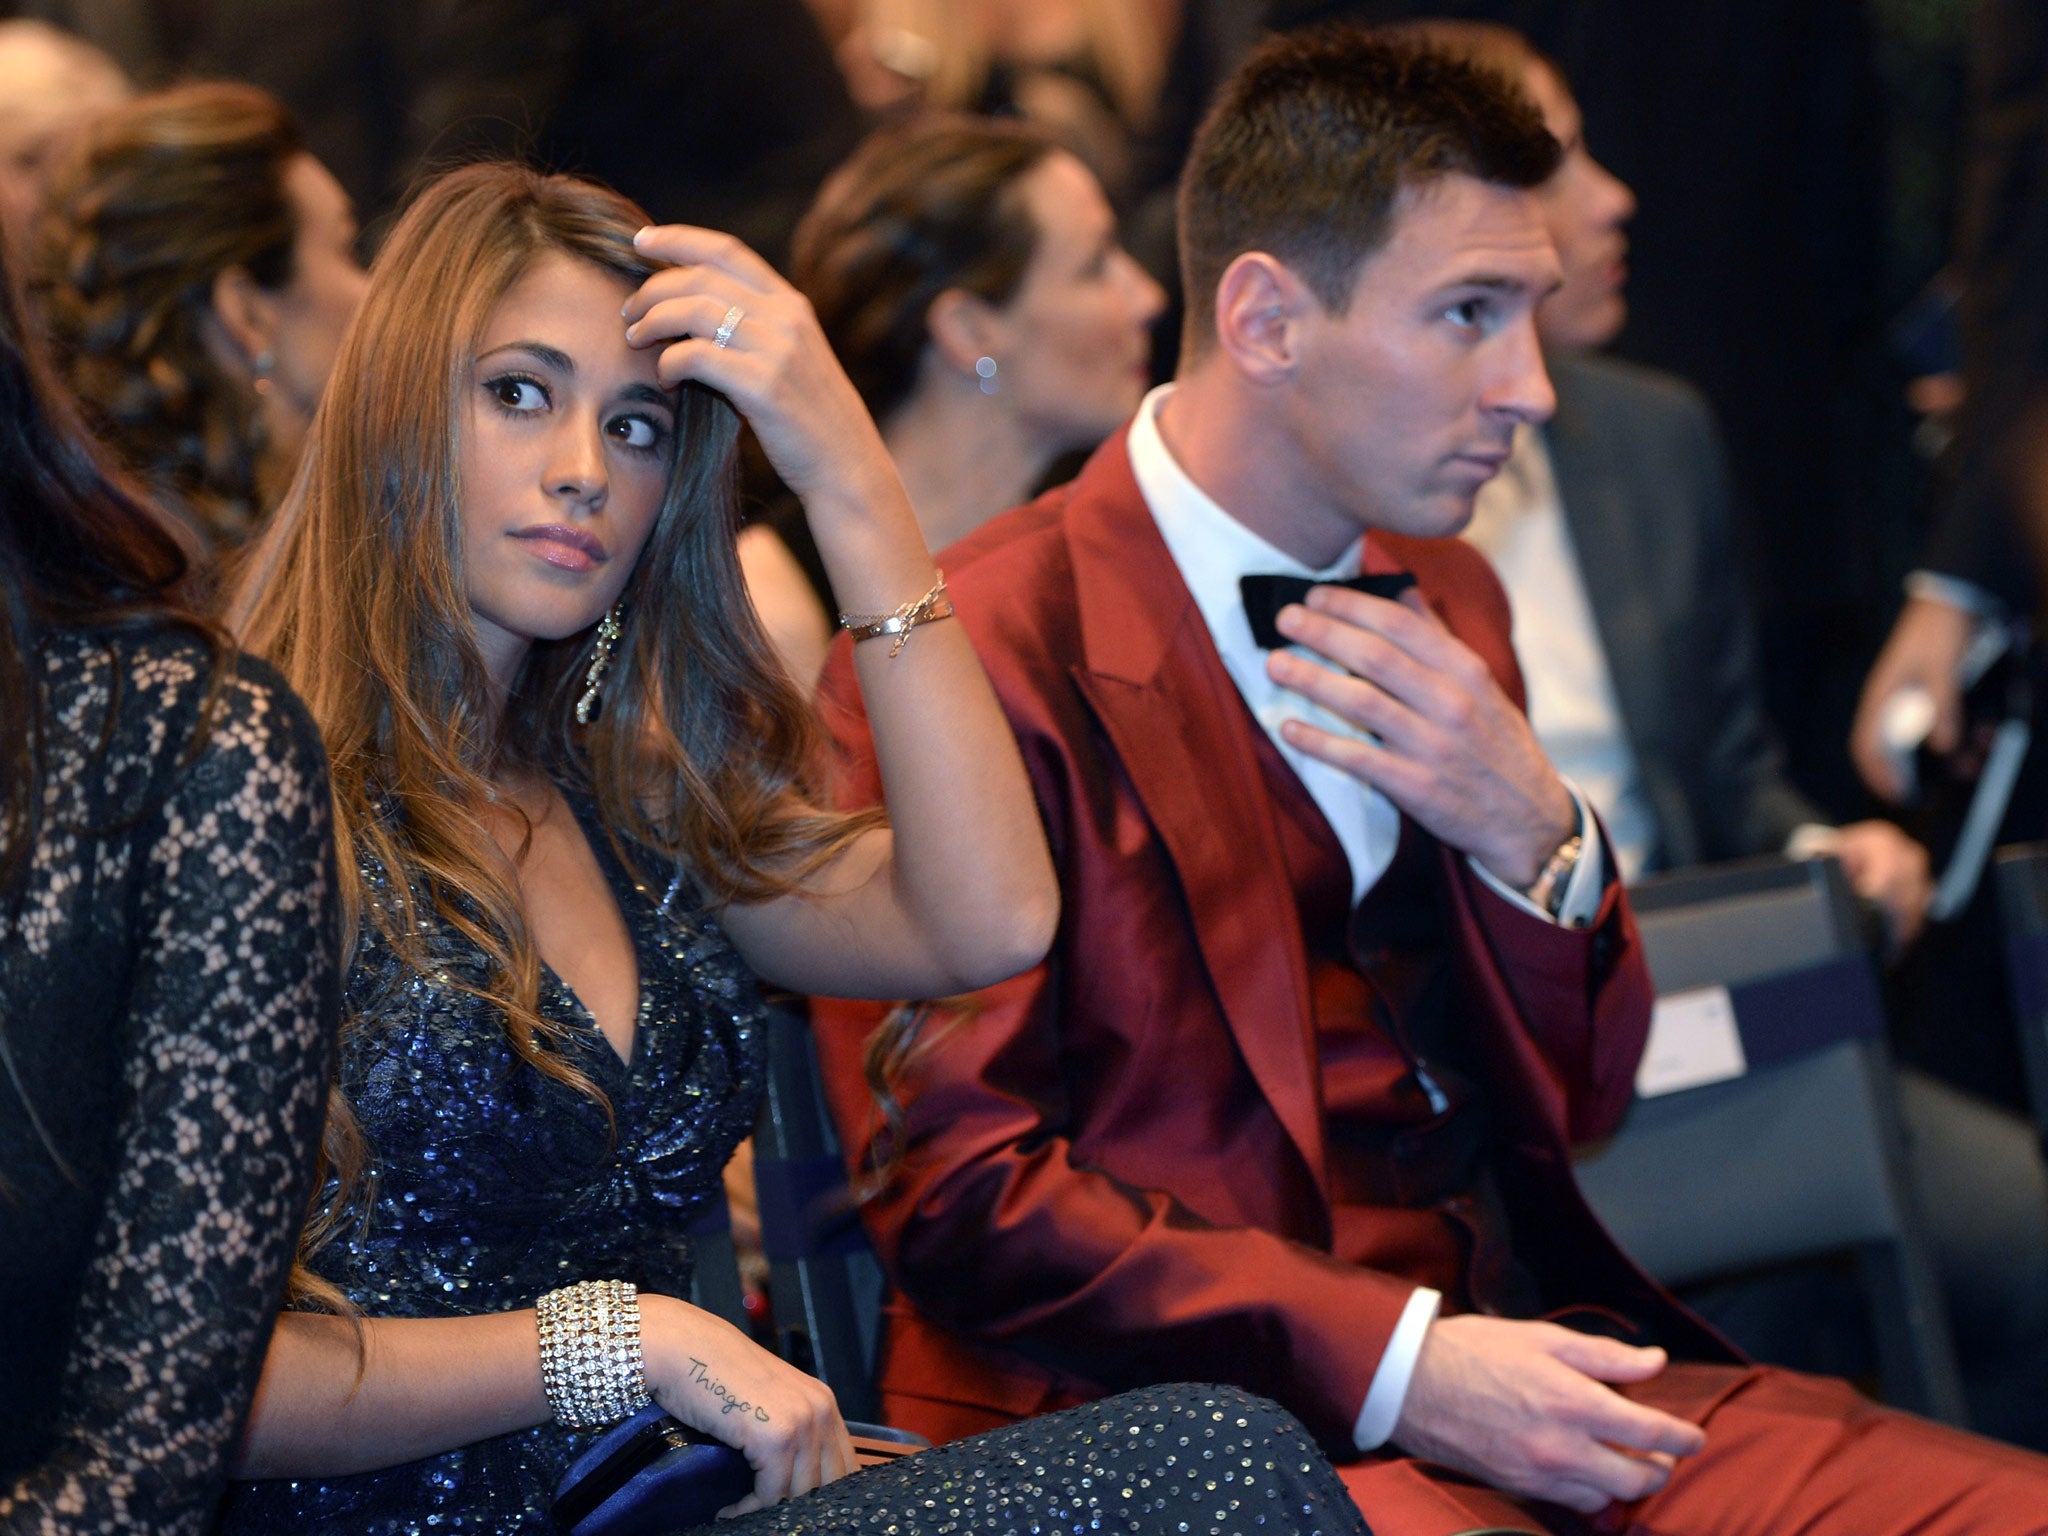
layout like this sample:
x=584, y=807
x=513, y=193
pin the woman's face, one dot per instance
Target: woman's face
x=327, y=283
x=1587, y=209
x=1075, y=347
x=566, y=442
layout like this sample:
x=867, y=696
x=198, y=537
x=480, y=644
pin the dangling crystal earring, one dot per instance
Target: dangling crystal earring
x=600, y=658
x=985, y=368
x=262, y=363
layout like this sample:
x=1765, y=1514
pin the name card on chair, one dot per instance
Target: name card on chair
x=1693, y=1042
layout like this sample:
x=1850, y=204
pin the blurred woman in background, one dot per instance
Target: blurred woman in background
x=195, y=269
x=50, y=82
x=169, y=983
x=968, y=275
x=1087, y=71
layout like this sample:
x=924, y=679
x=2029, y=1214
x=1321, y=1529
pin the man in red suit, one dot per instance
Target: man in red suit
x=1343, y=970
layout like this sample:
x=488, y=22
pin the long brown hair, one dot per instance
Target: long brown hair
x=156, y=200
x=703, y=752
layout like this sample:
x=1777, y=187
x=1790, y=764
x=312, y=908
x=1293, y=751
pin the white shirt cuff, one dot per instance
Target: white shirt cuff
x=1582, y=890
x=1954, y=592
x=1812, y=840
x=1389, y=1391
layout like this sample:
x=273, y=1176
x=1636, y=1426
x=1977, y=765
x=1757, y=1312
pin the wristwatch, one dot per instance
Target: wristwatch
x=1555, y=877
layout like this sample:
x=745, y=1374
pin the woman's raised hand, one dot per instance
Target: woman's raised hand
x=773, y=361
x=958, y=891
x=716, y=1379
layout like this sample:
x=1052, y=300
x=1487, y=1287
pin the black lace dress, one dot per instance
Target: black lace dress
x=168, y=993
x=492, y=1183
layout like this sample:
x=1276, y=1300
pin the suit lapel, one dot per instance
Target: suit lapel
x=1180, y=729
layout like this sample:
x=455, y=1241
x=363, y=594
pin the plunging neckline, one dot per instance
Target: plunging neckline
x=602, y=854
x=589, y=1020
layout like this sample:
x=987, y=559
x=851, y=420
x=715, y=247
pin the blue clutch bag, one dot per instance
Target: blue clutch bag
x=648, y=1475
x=651, y=1476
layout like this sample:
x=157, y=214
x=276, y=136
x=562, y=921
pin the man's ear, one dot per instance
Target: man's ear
x=963, y=327
x=1261, y=308
x=245, y=316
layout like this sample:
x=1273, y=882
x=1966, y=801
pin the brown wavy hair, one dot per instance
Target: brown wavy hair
x=78, y=547
x=703, y=753
x=155, y=201
x=1127, y=48
x=918, y=209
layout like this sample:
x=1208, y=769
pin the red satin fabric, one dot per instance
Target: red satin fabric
x=1117, y=1166
x=1116, y=1170
x=1784, y=1453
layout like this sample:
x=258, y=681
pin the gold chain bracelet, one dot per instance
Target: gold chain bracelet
x=924, y=610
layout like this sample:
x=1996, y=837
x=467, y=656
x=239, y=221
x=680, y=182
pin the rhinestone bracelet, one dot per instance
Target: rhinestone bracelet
x=590, y=1361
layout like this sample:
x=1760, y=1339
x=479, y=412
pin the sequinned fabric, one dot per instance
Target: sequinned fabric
x=491, y=1183
x=1160, y=1461
x=169, y=985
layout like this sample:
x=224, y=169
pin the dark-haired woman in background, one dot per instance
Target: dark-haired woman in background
x=195, y=269
x=968, y=275
x=168, y=993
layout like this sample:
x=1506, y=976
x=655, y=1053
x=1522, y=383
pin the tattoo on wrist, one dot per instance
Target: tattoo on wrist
x=718, y=1389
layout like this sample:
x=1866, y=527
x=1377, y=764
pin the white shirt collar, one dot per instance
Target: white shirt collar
x=1212, y=548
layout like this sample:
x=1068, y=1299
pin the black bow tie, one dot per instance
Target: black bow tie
x=1265, y=596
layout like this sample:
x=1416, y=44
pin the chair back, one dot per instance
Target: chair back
x=1802, y=1154
x=715, y=1274
x=2020, y=874
x=1731, y=923
x=824, y=1281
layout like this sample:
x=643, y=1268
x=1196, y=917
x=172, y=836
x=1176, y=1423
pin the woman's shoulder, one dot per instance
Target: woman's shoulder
x=171, y=703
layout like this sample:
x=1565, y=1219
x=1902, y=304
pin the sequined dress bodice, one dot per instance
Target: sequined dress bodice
x=492, y=1182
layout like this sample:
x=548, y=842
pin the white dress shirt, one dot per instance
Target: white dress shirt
x=1213, y=550
x=1518, y=524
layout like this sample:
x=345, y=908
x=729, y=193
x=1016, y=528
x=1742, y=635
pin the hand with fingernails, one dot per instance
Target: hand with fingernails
x=723, y=317
x=1447, y=745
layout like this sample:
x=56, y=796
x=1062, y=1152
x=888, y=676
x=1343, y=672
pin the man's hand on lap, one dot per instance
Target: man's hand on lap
x=1523, y=1407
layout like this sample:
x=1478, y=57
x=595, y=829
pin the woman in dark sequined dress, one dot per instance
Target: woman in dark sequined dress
x=169, y=982
x=576, y=787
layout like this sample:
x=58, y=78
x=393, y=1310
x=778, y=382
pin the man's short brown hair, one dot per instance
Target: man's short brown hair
x=1316, y=136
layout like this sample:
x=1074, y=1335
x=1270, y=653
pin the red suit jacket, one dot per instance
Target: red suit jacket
x=1113, y=1166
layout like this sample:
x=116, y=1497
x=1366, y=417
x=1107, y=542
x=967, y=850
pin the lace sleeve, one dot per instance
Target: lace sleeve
x=231, y=1019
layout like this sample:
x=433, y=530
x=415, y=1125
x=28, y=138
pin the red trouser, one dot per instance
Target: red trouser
x=1786, y=1455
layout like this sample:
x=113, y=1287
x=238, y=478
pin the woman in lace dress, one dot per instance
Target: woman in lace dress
x=575, y=785
x=168, y=994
